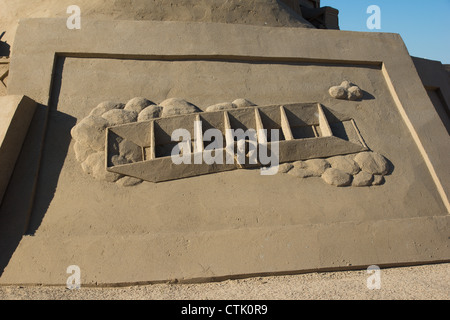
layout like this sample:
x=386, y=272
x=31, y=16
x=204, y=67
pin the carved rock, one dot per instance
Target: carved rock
x=174, y=107
x=129, y=182
x=95, y=165
x=301, y=173
x=149, y=113
x=378, y=180
x=346, y=91
x=117, y=117
x=299, y=164
x=342, y=171
x=346, y=84
x=123, y=151
x=243, y=103
x=82, y=152
x=105, y=107
x=221, y=106
x=338, y=92
x=362, y=179
x=130, y=152
x=317, y=166
x=345, y=163
x=355, y=93
x=285, y=167
x=138, y=104
x=91, y=132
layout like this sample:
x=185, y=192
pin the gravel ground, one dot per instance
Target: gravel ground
x=430, y=282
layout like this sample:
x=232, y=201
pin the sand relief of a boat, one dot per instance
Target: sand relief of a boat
x=306, y=131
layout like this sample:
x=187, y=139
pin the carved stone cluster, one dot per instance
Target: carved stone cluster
x=89, y=134
x=358, y=170
x=346, y=91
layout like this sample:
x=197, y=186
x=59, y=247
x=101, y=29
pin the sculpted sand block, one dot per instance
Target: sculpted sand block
x=384, y=202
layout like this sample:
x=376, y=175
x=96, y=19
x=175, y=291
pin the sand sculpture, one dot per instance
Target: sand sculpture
x=363, y=165
x=346, y=90
x=110, y=119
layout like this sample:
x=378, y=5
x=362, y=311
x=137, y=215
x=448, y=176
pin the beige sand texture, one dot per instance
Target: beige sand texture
x=225, y=225
x=408, y=283
x=237, y=225
x=15, y=116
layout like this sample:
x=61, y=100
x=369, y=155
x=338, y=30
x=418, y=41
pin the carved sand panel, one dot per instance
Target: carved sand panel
x=383, y=202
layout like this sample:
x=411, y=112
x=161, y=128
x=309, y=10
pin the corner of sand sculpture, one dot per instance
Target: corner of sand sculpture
x=363, y=155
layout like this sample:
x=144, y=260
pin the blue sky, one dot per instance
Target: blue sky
x=423, y=25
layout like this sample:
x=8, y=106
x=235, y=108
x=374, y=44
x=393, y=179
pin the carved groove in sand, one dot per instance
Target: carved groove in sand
x=138, y=141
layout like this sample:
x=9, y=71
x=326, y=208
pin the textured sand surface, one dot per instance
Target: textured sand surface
x=426, y=282
x=255, y=12
x=410, y=283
